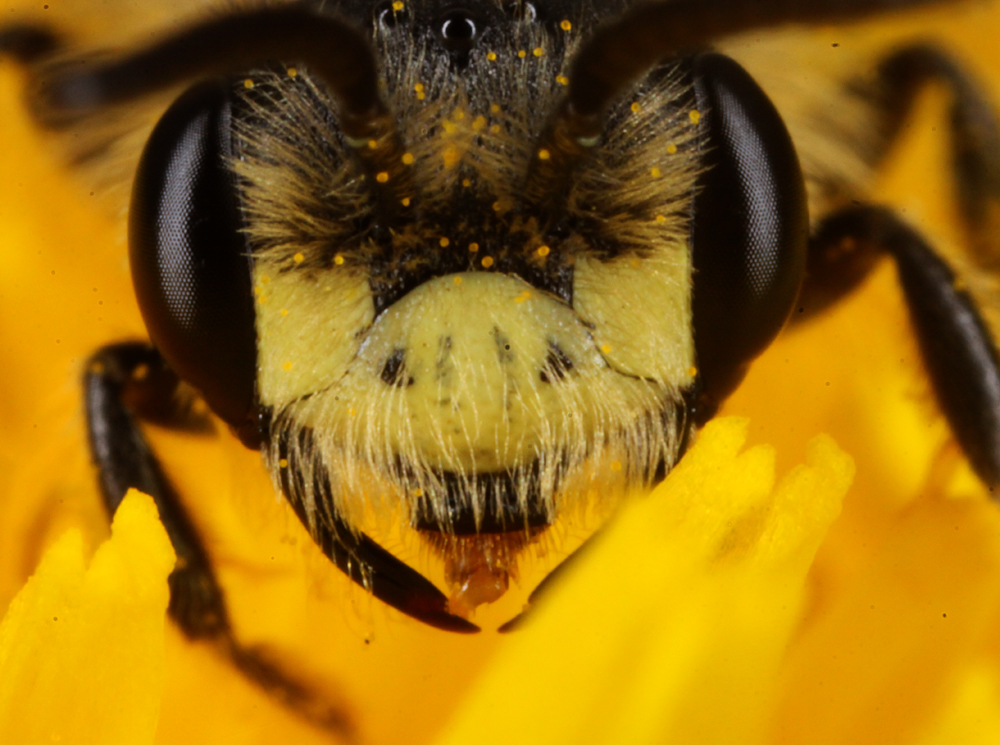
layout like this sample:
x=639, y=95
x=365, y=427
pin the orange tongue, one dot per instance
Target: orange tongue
x=483, y=584
x=478, y=568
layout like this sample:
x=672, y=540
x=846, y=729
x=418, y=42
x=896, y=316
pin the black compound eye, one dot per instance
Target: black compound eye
x=389, y=15
x=190, y=262
x=750, y=231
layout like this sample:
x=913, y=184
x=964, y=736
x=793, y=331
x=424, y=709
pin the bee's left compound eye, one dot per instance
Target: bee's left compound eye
x=190, y=262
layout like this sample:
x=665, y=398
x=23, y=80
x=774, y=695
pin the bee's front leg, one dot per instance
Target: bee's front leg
x=124, y=383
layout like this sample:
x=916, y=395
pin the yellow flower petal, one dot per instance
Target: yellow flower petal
x=81, y=648
x=673, y=627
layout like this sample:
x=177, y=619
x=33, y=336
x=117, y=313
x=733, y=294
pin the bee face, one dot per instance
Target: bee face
x=376, y=299
x=474, y=355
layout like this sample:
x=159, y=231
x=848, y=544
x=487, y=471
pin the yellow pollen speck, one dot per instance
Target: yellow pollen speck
x=538, y=51
x=636, y=108
x=284, y=311
x=495, y=129
x=338, y=259
x=286, y=365
x=258, y=290
x=292, y=72
x=565, y=25
x=449, y=127
x=616, y=465
x=262, y=299
x=605, y=348
x=373, y=144
x=458, y=115
x=452, y=156
x=382, y=177
x=466, y=183
x=491, y=56
x=478, y=123
x=671, y=148
x=350, y=412
x=544, y=154
x=421, y=95
x=398, y=5
x=562, y=80
x=522, y=53
x=248, y=83
x=264, y=279
x=494, y=108
x=419, y=87
x=692, y=371
x=444, y=243
x=473, y=247
x=405, y=201
x=299, y=258
x=543, y=251
x=418, y=492
x=458, y=280
x=140, y=372
x=408, y=159
x=522, y=297
x=695, y=115
x=497, y=206
x=487, y=261
x=661, y=218
x=283, y=463
x=655, y=172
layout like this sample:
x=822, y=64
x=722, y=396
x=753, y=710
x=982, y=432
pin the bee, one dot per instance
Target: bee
x=449, y=266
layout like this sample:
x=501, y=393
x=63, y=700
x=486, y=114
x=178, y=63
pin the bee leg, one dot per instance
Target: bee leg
x=955, y=343
x=975, y=155
x=126, y=382
x=974, y=131
x=27, y=43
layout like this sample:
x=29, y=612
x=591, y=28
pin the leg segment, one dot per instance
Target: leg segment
x=123, y=382
x=955, y=343
x=835, y=265
x=975, y=137
x=957, y=347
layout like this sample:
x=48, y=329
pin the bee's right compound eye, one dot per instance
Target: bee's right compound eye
x=190, y=261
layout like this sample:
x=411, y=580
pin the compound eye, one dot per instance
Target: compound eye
x=190, y=261
x=389, y=15
x=458, y=30
x=750, y=231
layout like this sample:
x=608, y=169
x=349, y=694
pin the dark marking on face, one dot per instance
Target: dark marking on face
x=557, y=362
x=504, y=353
x=394, y=371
